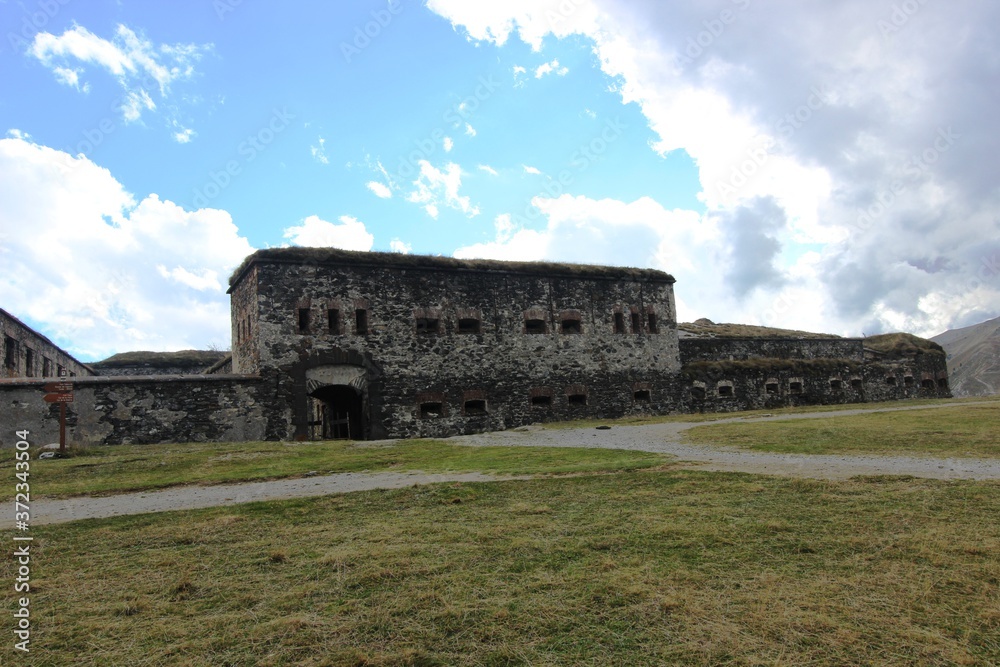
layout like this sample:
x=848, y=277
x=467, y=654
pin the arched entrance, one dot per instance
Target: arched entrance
x=338, y=395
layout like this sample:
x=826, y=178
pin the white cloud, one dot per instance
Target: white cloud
x=448, y=144
x=134, y=104
x=319, y=151
x=436, y=188
x=488, y=169
x=821, y=123
x=519, y=74
x=184, y=136
x=15, y=133
x=550, y=68
x=380, y=190
x=398, y=246
x=531, y=170
x=105, y=272
x=314, y=232
x=139, y=65
x=470, y=131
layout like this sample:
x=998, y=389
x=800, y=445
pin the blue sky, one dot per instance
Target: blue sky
x=818, y=179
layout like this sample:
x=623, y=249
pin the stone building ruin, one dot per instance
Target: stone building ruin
x=329, y=344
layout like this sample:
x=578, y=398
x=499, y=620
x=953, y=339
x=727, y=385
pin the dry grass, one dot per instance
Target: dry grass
x=120, y=468
x=626, y=569
x=959, y=431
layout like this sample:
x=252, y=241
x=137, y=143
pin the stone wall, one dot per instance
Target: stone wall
x=447, y=347
x=742, y=349
x=27, y=353
x=111, y=410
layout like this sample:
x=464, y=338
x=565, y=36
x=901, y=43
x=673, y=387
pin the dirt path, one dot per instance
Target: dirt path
x=198, y=497
x=667, y=439
x=661, y=438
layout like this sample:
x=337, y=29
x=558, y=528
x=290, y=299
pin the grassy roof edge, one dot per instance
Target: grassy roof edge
x=437, y=263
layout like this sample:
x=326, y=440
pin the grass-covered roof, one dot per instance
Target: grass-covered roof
x=336, y=256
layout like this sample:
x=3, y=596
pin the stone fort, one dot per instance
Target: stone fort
x=330, y=344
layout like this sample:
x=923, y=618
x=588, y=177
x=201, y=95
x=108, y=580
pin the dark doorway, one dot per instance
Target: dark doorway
x=342, y=413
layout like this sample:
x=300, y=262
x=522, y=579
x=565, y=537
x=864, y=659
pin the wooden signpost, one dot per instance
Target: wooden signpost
x=61, y=393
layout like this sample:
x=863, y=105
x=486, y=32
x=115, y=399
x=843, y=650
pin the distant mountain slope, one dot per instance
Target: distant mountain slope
x=973, y=358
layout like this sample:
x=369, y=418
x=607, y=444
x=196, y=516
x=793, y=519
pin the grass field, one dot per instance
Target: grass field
x=630, y=568
x=960, y=431
x=116, y=469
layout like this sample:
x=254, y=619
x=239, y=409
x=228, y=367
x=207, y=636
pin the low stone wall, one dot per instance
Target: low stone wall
x=742, y=349
x=140, y=410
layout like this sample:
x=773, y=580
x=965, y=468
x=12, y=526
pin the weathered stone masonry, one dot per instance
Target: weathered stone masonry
x=402, y=346
x=27, y=353
x=330, y=343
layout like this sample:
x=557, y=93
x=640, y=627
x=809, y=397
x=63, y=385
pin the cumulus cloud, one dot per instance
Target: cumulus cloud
x=139, y=65
x=550, y=68
x=439, y=187
x=531, y=170
x=106, y=272
x=399, y=246
x=448, y=144
x=470, y=131
x=380, y=190
x=315, y=232
x=878, y=153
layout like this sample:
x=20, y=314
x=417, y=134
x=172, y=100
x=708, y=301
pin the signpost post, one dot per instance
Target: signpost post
x=61, y=393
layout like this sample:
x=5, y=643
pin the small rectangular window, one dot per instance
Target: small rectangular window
x=725, y=390
x=698, y=393
x=636, y=323
x=856, y=383
x=641, y=396
x=475, y=407
x=333, y=321
x=890, y=380
x=927, y=384
x=577, y=399
x=651, y=323
x=431, y=410
x=361, y=322
x=61, y=371
x=541, y=401
x=10, y=353
x=619, y=323
x=771, y=388
x=427, y=325
x=795, y=387
x=534, y=326
x=908, y=380
x=469, y=325
x=303, y=320
x=942, y=383
x=836, y=385
x=29, y=362
x=46, y=367
x=571, y=326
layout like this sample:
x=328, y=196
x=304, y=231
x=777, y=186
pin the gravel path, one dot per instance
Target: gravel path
x=661, y=438
x=198, y=497
x=667, y=439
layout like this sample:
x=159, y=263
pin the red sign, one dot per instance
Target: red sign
x=58, y=398
x=59, y=387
